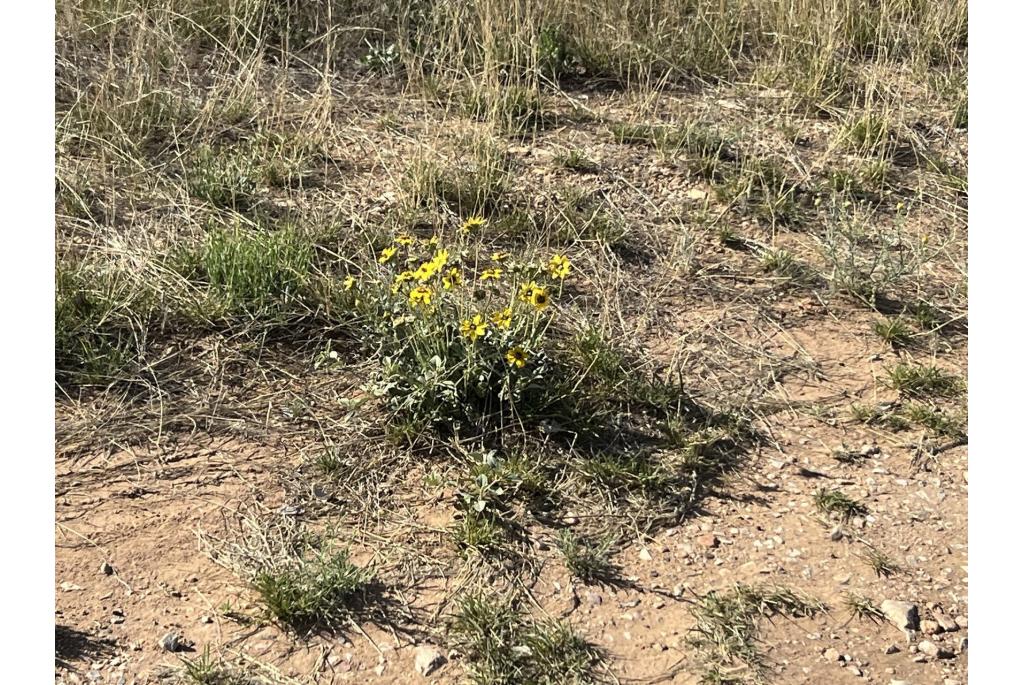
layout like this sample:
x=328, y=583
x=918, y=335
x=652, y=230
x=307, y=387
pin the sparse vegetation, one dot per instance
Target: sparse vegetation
x=523, y=284
x=835, y=503
x=504, y=646
x=879, y=562
x=726, y=631
x=923, y=380
x=586, y=559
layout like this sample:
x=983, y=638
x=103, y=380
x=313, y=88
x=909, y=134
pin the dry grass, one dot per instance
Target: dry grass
x=224, y=169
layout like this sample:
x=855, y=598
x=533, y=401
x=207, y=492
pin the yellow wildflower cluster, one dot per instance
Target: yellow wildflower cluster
x=431, y=278
x=535, y=295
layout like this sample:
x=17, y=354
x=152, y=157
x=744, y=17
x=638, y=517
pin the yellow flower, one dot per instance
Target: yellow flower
x=498, y=256
x=526, y=290
x=559, y=266
x=386, y=254
x=502, y=319
x=348, y=282
x=491, y=274
x=425, y=271
x=472, y=223
x=400, y=279
x=539, y=298
x=433, y=241
x=451, y=279
x=517, y=357
x=439, y=259
x=420, y=296
x=405, y=239
x=473, y=328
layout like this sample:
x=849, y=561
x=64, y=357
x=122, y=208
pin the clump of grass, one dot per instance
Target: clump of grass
x=706, y=147
x=513, y=108
x=935, y=420
x=870, y=133
x=331, y=462
x=625, y=472
x=477, y=185
x=206, y=669
x=863, y=413
x=227, y=179
x=587, y=560
x=879, y=562
x=895, y=331
x=101, y=317
x=576, y=215
x=927, y=317
x=862, y=262
x=638, y=134
x=959, y=118
x=863, y=608
x=481, y=533
x=576, y=160
x=251, y=270
x=835, y=503
x=503, y=646
x=779, y=261
x=304, y=581
x=923, y=380
x=864, y=181
x=900, y=418
x=320, y=590
x=726, y=631
x=760, y=187
x=602, y=357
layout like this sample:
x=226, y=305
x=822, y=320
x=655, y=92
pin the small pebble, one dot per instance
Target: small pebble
x=173, y=642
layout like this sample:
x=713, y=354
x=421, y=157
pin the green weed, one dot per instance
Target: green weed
x=503, y=646
x=835, y=503
x=322, y=589
x=726, y=633
x=896, y=332
x=922, y=380
x=586, y=559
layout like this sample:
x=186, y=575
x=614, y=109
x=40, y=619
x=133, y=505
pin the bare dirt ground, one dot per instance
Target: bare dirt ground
x=140, y=513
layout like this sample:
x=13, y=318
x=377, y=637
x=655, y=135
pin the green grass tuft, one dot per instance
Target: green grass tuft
x=586, y=559
x=726, y=634
x=254, y=271
x=321, y=590
x=920, y=380
x=835, y=503
x=896, y=332
x=503, y=646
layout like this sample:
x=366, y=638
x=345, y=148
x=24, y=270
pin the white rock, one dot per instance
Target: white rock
x=903, y=615
x=428, y=659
